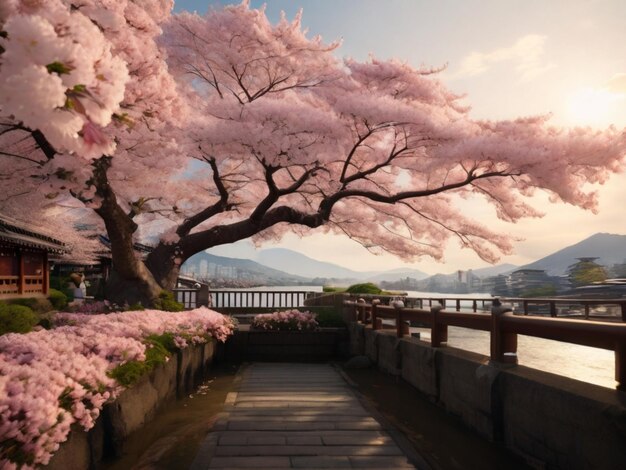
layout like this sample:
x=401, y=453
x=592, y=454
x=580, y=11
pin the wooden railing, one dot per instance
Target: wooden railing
x=187, y=296
x=504, y=328
x=262, y=299
x=242, y=299
x=554, y=307
x=9, y=284
x=33, y=284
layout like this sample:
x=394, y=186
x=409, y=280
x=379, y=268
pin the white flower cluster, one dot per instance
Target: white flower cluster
x=59, y=76
x=51, y=379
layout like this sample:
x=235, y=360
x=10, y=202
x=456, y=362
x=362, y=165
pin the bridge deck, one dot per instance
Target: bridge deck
x=300, y=416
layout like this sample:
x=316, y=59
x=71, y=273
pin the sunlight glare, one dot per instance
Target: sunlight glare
x=592, y=106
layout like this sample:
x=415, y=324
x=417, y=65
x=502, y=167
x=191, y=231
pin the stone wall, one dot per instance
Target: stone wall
x=135, y=407
x=294, y=346
x=552, y=421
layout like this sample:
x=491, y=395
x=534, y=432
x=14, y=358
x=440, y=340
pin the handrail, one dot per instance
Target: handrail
x=523, y=302
x=504, y=327
x=228, y=298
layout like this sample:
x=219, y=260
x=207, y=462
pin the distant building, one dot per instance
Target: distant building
x=496, y=285
x=524, y=281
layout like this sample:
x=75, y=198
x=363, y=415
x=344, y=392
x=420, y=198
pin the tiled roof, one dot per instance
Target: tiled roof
x=21, y=234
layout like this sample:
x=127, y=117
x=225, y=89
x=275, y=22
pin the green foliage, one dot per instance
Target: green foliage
x=61, y=283
x=57, y=298
x=128, y=373
x=16, y=318
x=167, y=303
x=547, y=290
x=166, y=341
x=328, y=317
x=364, y=288
x=36, y=304
x=586, y=272
x=331, y=289
x=156, y=353
x=135, y=307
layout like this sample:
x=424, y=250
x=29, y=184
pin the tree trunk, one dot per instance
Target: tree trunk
x=164, y=264
x=130, y=281
x=122, y=290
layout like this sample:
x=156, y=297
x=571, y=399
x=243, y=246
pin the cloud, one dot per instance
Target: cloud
x=617, y=84
x=527, y=52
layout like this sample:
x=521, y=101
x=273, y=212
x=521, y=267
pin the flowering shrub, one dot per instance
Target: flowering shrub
x=50, y=379
x=292, y=320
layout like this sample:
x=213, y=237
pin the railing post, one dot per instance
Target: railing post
x=503, y=345
x=620, y=366
x=375, y=324
x=623, y=308
x=438, y=331
x=552, y=308
x=398, y=305
x=474, y=305
x=525, y=307
x=458, y=305
x=360, y=310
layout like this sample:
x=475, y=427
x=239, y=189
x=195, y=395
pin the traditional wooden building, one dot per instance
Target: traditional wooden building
x=24, y=259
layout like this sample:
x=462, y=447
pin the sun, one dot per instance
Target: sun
x=592, y=106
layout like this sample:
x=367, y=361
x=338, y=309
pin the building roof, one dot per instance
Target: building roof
x=22, y=234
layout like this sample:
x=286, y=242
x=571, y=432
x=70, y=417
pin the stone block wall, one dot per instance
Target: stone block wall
x=134, y=408
x=551, y=421
x=295, y=346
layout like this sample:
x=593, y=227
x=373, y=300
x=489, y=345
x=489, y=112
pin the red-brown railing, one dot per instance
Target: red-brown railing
x=551, y=306
x=504, y=328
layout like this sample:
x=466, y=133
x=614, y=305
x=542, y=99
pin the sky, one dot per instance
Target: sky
x=511, y=58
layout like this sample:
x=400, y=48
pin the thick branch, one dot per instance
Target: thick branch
x=44, y=145
x=327, y=204
x=231, y=233
x=220, y=206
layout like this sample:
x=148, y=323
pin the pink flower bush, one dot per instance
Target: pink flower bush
x=293, y=320
x=50, y=379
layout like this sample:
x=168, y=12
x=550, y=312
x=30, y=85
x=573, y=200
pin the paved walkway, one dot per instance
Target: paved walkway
x=298, y=416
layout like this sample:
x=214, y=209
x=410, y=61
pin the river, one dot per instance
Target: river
x=592, y=365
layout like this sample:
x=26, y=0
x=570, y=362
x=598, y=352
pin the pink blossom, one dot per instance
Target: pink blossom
x=92, y=134
x=50, y=379
x=285, y=320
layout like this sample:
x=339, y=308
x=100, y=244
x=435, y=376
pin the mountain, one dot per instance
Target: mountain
x=397, y=274
x=220, y=267
x=609, y=248
x=504, y=268
x=298, y=264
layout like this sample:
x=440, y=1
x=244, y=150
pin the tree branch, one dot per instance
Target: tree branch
x=220, y=206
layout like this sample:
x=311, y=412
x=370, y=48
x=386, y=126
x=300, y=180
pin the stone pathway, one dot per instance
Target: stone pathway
x=299, y=416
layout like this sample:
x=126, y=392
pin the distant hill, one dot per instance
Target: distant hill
x=397, y=274
x=236, y=268
x=298, y=264
x=504, y=268
x=608, y=247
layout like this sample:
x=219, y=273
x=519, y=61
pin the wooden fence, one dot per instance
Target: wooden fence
x=504, y=328
x=244, y=299
x=599, y=309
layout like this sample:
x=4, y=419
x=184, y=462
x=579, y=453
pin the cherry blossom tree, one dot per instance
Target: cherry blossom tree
x=253, y=130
